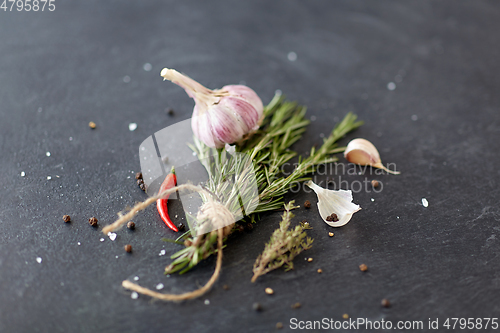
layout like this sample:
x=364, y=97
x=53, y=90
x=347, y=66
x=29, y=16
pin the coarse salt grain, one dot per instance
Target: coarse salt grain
x=207, y=302
x=49, y=177
x=112, y=235
x=102, y=239
x=39, y=260
x=132, y=127
x=162, y=252
x=47, y=153
x=134, y=295
x=425, y=203
x=136, y=278
x=23, y=174
x=372, y=199
x=159, y=286
x=79, y=243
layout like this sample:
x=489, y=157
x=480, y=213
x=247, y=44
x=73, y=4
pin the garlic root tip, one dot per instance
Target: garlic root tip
x=164, y=72
x=381, y=166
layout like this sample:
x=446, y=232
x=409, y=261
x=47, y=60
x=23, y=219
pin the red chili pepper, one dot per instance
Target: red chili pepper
x=161, y=204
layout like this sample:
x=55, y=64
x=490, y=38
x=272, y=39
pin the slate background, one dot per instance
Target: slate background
x=435, y=262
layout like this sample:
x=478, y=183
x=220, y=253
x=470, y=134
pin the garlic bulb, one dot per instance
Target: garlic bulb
x=363, y=152
x=335, y=207
x=220, y=116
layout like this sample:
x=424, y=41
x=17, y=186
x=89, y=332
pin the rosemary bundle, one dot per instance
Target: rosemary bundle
x=260, y=160
x=269, y=149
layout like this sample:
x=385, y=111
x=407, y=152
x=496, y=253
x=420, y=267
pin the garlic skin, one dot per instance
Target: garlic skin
x=222, y=116
x=331, y=201
x=363, y=152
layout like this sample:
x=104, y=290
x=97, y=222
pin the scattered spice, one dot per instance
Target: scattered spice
x=93, y=221
x=249, y=226
x=140, y=181
x=132, y=127
x=225, y=287
x=269, y=291
x=170, y=111
x=143, y=187
x=375, y=183
x=331, y=234
x=279, y=325
x=385, y=303
x=257, y=307
x=307, y=204
x=128, y=248
x=296, y=305
x=138, y=175
x=131, y=225
x=332, y=217
x=181, y=226
x=320, y=270
x=363, y=267
x=309, y=259
x=92, y=125
x=66, y=218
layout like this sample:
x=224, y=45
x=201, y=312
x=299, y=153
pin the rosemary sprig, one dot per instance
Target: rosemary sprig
x=268, y=150
x=283, y=246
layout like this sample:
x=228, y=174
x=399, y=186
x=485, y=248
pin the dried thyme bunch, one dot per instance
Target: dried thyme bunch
x=283, y=246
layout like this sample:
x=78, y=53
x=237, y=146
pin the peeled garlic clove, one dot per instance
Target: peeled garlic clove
x=337, y=202
x=222, y=116
x=363, y=152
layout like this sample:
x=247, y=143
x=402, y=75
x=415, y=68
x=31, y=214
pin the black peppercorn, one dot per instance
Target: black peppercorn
x=66, y=218
x=128, y=248
x=93, y=221
x=181, y=226
x=307, y=204
x=138, y=175
x=385, y=303
x=257, y=307
x=131, y=225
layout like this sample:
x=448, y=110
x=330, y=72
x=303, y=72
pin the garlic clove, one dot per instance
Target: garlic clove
x=221, y=116
x=336, y=202
x=363, y=152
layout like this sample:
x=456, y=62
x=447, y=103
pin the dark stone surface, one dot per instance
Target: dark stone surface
x=59, y=70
